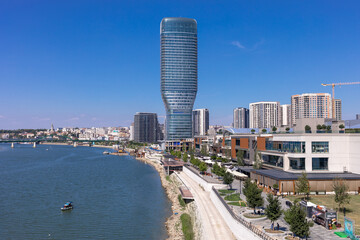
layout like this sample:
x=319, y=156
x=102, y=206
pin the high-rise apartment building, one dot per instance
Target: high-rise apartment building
x=146, y=127
x=200, y=121
x=264, y=114
x=241, y=118
x=285, y=115
x=311, y=105
x=178, y=74
x=337, y=105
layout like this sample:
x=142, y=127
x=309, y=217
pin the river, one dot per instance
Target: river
x=115, y=197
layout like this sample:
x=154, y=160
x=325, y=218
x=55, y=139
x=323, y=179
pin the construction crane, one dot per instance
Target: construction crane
x=333, y=91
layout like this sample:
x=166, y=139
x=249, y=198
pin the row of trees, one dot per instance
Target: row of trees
x=339, y=186
x=294, y=216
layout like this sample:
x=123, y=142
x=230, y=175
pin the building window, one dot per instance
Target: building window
x=320, y=164
x=237, y=142
x=276, y=161
x=281, y=146
x=297, y=163
x=320, y=147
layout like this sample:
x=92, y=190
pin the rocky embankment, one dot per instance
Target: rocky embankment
x=171, y=186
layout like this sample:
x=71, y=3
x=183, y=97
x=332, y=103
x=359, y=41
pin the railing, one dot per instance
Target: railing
x=248, y=225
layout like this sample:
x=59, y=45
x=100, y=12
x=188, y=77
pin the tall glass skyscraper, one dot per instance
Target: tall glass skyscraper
x=178, y=74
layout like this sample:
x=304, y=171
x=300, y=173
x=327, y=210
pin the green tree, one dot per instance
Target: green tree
x=257, y=160
x=264, y=130
x=203, y=150
x=203, y=167
x=228, y=179
x=253, y=195
x=221, y=171
x=215, y=169
x=240, y=158
x=341, y=126
x=307, y=128
x=318, y=127
x=328, y=128
x=252, y=131
x=302, y=185
x=273, y=209
x=287, y=129
x=323, y=127
x=341, y=196
x=213, y=157
x=274, y=129
x=296, y=218
x=185, y=157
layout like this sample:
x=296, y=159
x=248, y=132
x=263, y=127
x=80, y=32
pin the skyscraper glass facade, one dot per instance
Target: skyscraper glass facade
x=178, y=74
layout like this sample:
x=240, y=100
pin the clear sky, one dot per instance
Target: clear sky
x=96, y=63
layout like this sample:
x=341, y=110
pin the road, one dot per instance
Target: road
x=214, y=226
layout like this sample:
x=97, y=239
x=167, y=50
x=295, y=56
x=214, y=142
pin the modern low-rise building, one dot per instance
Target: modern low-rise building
x=323, y=157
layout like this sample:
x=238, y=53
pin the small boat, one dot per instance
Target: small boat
x=67, y=206
x=106, y=153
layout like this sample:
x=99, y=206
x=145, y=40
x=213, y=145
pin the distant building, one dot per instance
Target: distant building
x=241, y=118
x=146, y=127
x=264, y=114
x=337, y=104
x=357, y=116
x=311, y=105
x=285, y=115
x=200, y=121
x=132, y=133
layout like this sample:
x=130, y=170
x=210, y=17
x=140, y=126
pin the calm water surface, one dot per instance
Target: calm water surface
x=114, y=197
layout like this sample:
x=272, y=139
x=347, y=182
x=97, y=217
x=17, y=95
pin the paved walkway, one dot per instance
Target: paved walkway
x=213, y=224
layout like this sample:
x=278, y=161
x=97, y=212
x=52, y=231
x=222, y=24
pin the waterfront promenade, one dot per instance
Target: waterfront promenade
x=214, y=226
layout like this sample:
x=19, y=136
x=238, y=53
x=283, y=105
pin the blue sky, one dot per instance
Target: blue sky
x=97, y=63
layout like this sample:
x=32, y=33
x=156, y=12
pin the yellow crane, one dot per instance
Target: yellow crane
x=333, y=91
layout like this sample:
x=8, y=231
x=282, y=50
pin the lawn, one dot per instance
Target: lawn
x=352, y=210
x=187, y=226
x=225, y=191
x=233, y=197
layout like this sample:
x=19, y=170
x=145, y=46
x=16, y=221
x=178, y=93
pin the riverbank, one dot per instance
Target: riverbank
x=67, y=144
x=171, y=185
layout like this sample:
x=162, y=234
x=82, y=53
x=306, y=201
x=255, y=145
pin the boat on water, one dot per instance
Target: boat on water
x=106, y=153
x=67, y=206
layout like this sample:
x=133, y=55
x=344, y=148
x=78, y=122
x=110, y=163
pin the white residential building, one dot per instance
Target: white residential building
x=200, y=121
x=264, y=114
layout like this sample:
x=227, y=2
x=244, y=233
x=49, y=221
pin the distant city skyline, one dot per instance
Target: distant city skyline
x=84, y=64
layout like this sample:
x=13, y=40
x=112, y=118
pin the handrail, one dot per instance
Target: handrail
x=248, y=225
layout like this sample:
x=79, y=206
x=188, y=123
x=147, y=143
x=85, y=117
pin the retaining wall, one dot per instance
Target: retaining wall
x=241, y=229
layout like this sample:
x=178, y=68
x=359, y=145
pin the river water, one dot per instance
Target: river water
x=115, y=197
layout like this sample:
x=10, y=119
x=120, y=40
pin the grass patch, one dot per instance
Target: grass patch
x=234, y=203
x=273, y=231
x=168, y=178
x=352, y=209
x=223, y=194
x=250, y=215
x=187, y=227
x=225, y=191
x=233, y=197
x=181, y=201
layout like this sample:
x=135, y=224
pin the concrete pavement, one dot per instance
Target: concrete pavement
x=213, y=224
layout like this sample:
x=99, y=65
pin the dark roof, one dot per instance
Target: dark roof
x=282, y=175
x=245, y=169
